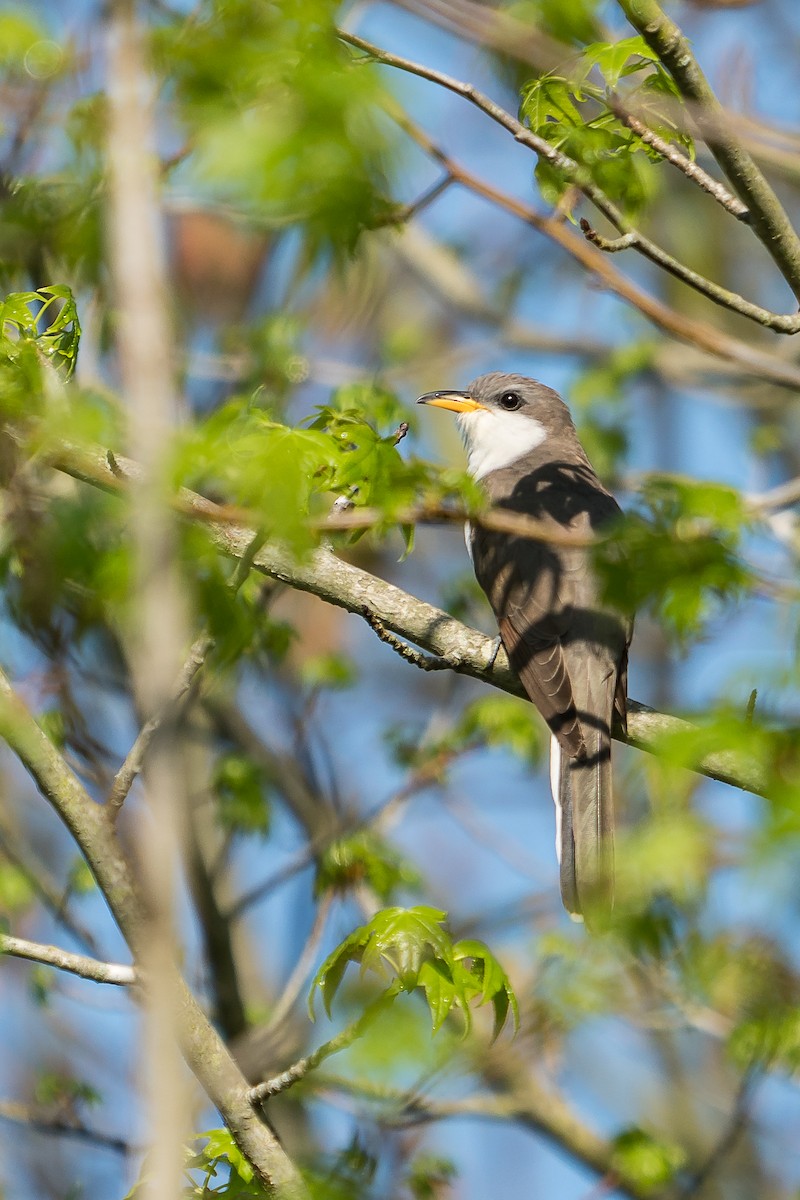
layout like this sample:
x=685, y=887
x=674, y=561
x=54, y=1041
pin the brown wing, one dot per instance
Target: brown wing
x=545, y=596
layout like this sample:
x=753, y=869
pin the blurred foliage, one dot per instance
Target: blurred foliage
x=240, y=788
x=679, y=554
x=364, y=858
x=575, y=22
x=649, y=1161
x=296, y=86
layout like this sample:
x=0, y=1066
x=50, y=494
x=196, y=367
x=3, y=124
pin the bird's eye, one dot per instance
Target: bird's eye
x=510, y=401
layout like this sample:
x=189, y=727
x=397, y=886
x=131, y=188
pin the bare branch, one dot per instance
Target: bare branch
x=202, y=1047
x=425, y=662
x=541, y=1110
x=45, y=888
x=343, y=1039
x=76, y=964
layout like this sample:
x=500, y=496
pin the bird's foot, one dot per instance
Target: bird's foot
x=496, y=644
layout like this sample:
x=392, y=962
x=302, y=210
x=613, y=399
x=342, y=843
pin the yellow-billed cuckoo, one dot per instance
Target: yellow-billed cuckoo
x=569, y=650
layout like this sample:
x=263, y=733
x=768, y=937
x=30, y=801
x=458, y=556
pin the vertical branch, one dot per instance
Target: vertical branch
x=159, y=633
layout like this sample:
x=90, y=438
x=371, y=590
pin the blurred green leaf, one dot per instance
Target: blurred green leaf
x=241, y=793
x=502, y=721
x=679, y=554
x=364, y=857
x=280, y=116
x=575, y=22
x=650, y=1161
x=334, y=671
x=16, y=890
x=429, y=1175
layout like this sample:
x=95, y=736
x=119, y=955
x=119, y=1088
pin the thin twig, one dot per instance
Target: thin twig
x=298, y=1070
x=64, y=960
x=173, y=708
x=44, y=887
x=783, y=496
x=294, y=984
x=730, y=1135
x=43, y=1120
x=167, y=714
x=768, y=218
x=677, y=158
x=608, y=245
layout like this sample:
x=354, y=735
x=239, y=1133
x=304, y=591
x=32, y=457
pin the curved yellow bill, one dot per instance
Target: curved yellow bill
x=460, y=402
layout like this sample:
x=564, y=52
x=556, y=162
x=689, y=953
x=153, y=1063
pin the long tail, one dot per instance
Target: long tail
x=584, y=799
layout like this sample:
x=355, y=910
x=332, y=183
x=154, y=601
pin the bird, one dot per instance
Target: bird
x=568, y=647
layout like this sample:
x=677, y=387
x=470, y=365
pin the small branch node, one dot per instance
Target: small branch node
x=609, y=245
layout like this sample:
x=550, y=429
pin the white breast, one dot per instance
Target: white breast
x=497, y=439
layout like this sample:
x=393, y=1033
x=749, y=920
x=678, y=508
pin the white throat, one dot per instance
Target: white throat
x=496, y=439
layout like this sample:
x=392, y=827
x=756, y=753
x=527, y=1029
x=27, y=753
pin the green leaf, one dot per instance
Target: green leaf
x=221, y=1148
x=47, y=319
x=547, y=102
x=647, y=1160
x=398, y=938
x=682, y=557
x=612, y=57
x=415, y=948
x=491, y=984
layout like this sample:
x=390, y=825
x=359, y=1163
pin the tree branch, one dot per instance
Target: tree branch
x=752, y=361
x=577, y=175
x=767, y=215
x=542, y=1111
x=340, y=583
x=131, y=767
x=76, y=964
x=687, y=166
x=202, y=1047
x=44, y=1120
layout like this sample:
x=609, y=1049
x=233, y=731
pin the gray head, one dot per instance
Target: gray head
x=502, y=418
